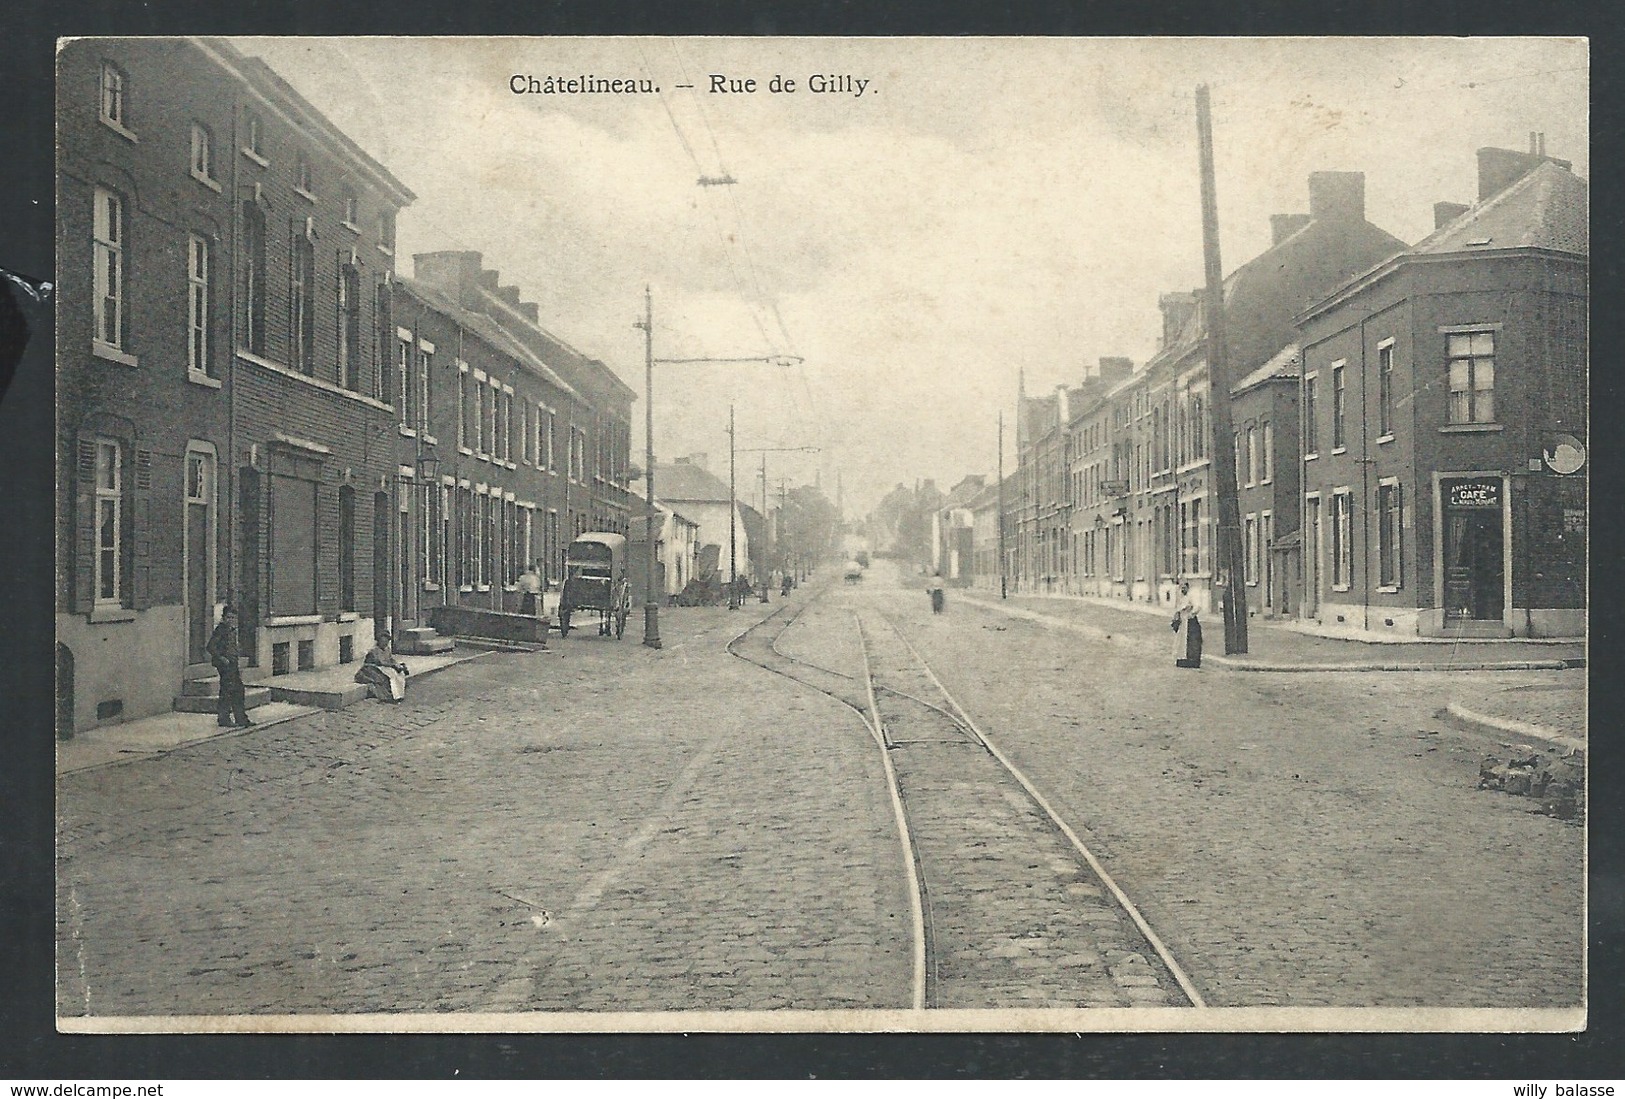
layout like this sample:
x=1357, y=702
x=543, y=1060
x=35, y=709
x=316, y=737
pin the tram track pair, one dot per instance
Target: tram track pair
x=1010, y=908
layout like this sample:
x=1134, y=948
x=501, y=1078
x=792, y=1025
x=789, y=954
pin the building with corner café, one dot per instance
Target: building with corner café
x=1444, y=416
x=224, y=433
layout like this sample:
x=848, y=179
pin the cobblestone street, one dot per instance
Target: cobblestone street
x=601, y=827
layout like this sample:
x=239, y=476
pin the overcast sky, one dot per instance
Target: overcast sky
x=985, y=206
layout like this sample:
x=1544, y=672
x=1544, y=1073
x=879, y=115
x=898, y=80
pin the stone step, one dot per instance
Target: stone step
x=422, y=641
x=209, y=703
x=327, y=698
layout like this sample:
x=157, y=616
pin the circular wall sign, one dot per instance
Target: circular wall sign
x=1566, y=454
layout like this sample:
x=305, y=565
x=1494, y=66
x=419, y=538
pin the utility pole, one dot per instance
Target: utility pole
x=651, y=603
x=1004, y=592
x=1228, y=558
x=764, y=451
x=733, y=512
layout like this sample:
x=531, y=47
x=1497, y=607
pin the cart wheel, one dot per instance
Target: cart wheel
x=564, y=623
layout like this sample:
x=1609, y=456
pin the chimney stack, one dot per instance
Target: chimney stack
x=509, y=294
x=531, y=313
x=1114, y=369
x=1499, y=169
x=451, y=272
x=1446, y=212
x=1337, y=196
x=1284, y=225
x=1177, y=309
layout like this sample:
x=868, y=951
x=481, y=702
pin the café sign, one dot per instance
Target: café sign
x=1473, y=494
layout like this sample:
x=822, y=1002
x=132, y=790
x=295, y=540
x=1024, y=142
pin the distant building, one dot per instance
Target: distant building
x=953, y=527
x=677, y=545
x=1444, y=397
x=690, y=488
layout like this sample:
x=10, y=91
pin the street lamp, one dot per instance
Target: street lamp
x=651, y=606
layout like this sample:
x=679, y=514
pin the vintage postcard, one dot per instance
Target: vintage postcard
x=845, y=534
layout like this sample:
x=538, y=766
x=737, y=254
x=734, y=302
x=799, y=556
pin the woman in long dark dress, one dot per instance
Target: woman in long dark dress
x=1187, y=630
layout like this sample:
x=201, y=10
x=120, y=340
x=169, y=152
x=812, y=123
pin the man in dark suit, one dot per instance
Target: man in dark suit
x=224, y=653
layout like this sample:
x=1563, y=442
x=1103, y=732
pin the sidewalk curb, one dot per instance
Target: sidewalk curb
x=1489, y=724
x=1419, y=666
x=1232, y=664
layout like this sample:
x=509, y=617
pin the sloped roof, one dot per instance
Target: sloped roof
x=687, y=481
x=486, y=329
x=1548, y=208
x=1285, y=363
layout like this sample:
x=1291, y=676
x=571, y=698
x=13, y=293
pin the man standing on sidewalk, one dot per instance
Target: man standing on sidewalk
x=224, y=652
x=530, y=591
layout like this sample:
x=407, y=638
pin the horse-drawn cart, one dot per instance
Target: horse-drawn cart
x=595, y=580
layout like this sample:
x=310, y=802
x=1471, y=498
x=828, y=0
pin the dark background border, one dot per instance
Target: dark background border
x=30, y=1048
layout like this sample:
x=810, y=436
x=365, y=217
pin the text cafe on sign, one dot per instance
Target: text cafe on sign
x=1484, y=493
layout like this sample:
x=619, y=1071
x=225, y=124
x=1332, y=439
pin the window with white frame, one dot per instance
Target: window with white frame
x=1252, y=455
x=464, y=432
x=425, y=414
x=1268, y=434
x=349, y=327
x=1389, y=524
x=548, y=452
x=403, y=379
x=1339, y=406
x=202, y=153
x=1342, y=539
x=1472, y=377
x=112, y=96
x=253, y=278
x=1250, y=546
x=304, y=180
x=109, y=578
x=1266, y=539
x=352, y=209
x=507, y=426
x=386, y=230
x=527, y=438
x=253, y=136
x=197, y=306
x=302, y=305
x=489, y=415
x=109, y=267
x=1311, y=426
x=1385, y=388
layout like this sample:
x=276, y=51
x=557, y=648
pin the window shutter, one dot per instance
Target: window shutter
x=84, y=542
x=139, y=530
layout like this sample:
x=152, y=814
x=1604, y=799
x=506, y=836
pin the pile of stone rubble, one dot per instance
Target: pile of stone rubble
x=1556, y=781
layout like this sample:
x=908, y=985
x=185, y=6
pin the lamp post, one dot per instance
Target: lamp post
x=651, y=606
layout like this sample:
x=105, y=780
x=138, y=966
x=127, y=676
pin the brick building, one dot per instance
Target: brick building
x=1155, y=512
x=1264, y=412
x=508, y=442
x=1444, y=415
x=223, y=434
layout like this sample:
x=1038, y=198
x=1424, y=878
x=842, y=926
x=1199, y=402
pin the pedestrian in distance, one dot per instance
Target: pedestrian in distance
x=934, y=586
x=530, y=591
x=384, y=675
x=224, y=652
x=1187, y=625
x=785, y=584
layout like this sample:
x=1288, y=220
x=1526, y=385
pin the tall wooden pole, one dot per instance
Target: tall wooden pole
x=1004, y=591
x=733, y=511
x=651, y=603
x=1228, y=551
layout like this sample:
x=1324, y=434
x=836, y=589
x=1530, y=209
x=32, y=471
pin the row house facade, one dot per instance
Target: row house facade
x=222, y=430
x=953, y=532
x=1264, y=413
x=1444, y=399
x=508, y=442
x=1131, y=513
